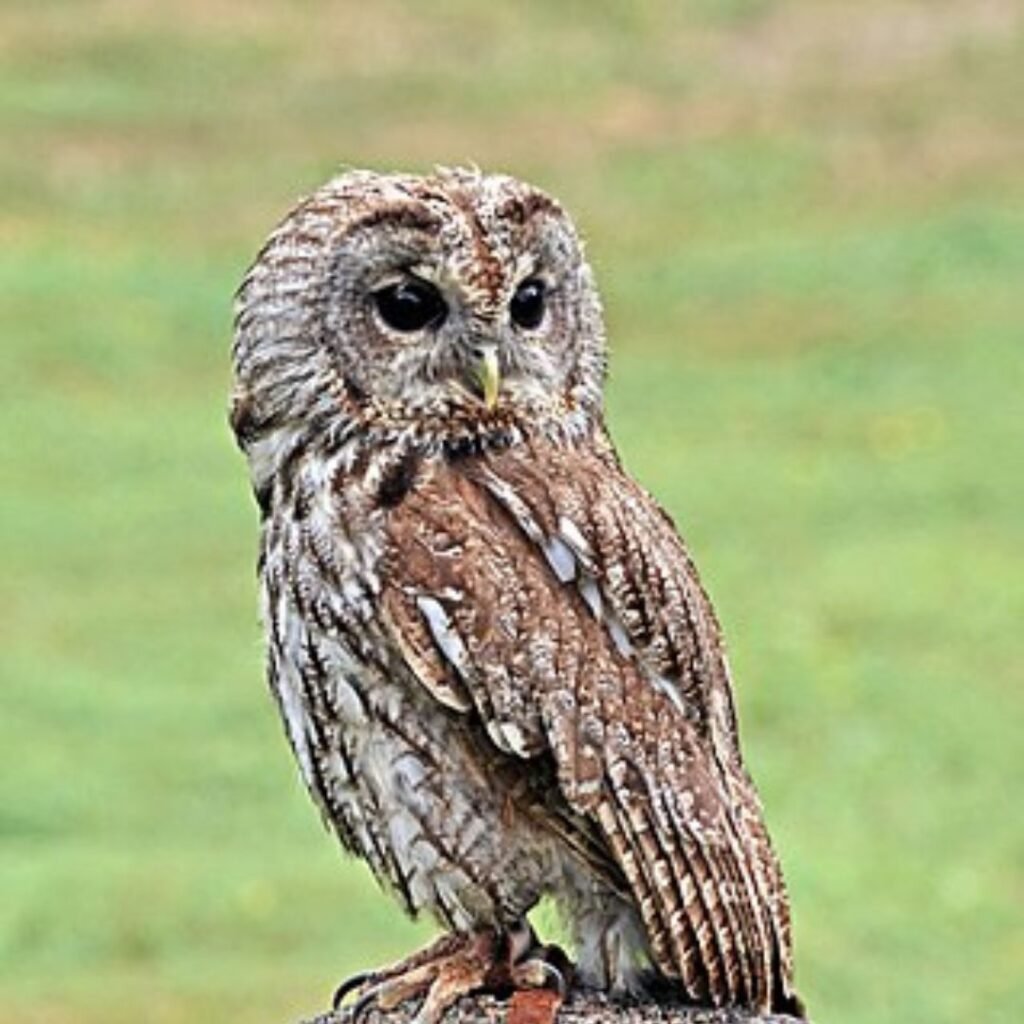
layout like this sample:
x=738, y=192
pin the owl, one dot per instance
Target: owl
x=495, y=663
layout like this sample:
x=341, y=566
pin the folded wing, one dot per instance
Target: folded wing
x=542, y=591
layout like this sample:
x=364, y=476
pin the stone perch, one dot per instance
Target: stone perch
x=579, y=1008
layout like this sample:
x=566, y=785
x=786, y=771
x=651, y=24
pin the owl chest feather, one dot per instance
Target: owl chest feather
x=401, y=777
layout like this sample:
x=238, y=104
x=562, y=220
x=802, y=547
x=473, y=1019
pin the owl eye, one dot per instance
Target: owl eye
x=410, y=305
x=527, y=305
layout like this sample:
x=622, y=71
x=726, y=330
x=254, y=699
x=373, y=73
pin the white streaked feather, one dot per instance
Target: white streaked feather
x=519, y=509
x=266, y=453
x=591, y=593
x=669, y=688
x=560, y=558
x=508, y=737
x=289, y=689
x=572, y=535
x=344, y=698
x=444, y=633
x=295, y=718
x=619, y=636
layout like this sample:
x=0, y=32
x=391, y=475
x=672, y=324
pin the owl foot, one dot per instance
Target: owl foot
x=500, y=962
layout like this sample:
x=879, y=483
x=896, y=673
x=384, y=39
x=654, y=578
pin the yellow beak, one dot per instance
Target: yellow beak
x=488, y=374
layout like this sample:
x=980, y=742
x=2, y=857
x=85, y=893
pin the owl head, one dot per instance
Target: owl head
x=451, y=302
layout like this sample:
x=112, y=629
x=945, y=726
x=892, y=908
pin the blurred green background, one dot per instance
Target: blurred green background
x=808, y=221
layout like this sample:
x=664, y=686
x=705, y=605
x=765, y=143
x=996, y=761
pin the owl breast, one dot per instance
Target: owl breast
x=401, y=777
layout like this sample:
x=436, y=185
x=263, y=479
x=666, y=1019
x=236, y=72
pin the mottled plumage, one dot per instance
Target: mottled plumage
x=497, y=667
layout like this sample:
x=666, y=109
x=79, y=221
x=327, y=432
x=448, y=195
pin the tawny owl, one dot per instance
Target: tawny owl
x=496, y=665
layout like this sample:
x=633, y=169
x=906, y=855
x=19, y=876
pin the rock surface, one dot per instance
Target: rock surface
x=580, y=1008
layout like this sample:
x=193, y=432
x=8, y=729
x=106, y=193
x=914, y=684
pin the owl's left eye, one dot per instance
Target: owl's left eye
x=527, y=305
x=410, y=305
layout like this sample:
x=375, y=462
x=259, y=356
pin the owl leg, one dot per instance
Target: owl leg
x=453, y=966
x=612, y=954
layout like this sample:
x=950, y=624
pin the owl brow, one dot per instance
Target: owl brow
x=520, y=209
x=413, y=218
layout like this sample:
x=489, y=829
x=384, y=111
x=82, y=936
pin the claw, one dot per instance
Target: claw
x=559, y=959
x=348, y=985
x=539, y=974
x=362, y=1006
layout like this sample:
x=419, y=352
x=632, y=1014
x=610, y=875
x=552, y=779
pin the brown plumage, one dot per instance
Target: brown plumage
x=495, y=661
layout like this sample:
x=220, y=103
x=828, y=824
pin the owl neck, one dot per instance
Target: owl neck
x=356, y=428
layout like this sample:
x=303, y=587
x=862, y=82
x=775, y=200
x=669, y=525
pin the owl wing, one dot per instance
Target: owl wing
x=544, y=591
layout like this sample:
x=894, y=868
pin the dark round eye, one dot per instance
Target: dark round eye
x=527, y=305
x=410, y=305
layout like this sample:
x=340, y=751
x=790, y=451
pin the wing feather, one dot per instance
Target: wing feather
x=572, y=622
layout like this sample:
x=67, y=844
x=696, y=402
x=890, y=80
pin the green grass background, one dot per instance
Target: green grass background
x=808, y=221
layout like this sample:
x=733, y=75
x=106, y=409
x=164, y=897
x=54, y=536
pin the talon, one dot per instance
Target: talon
x=361, y=1006
x=560, y=961
x=555, y=980
x=353, y=982
x=542, y=967
x=539, y=974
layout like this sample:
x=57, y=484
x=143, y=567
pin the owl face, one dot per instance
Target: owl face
x=462, y=292
x=456, y=295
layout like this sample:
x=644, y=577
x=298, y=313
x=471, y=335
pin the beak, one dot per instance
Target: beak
x=487, y=373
